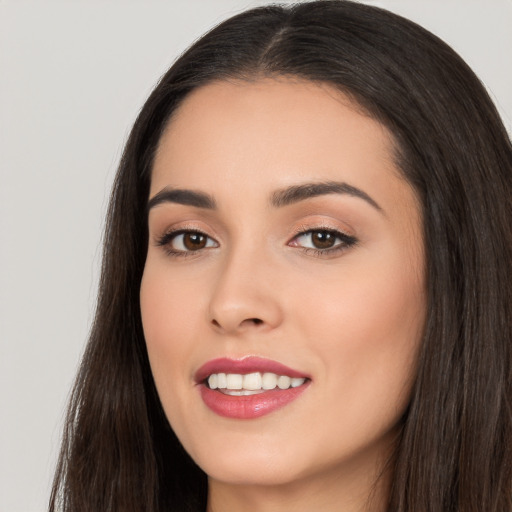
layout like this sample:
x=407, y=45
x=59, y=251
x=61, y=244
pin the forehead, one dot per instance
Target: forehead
x=271, y=133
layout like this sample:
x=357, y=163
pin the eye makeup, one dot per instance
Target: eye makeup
x=321, y=241
x=185, y=242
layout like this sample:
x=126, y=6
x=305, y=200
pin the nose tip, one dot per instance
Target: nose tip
x=243, y=301
x=240, y=317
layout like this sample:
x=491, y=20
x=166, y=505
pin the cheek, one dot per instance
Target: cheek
x=170, y=304
x=169, y=318
x=367, y=324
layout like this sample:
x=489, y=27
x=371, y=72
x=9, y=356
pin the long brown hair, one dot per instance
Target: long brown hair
x=455, y=448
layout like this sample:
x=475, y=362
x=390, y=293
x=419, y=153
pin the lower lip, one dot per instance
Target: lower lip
x=249, y=406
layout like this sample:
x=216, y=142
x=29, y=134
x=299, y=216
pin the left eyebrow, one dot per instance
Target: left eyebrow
x=297, y=193
x=182, y=196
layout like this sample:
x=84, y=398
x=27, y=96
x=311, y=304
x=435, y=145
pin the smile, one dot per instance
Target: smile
x=236, y=384
x=242, y=389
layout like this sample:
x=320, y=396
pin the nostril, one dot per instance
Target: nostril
x=246, y=322
x=232, y=325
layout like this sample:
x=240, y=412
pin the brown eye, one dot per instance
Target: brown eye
x=182, y=242
x=323, y=239
x=194, y=241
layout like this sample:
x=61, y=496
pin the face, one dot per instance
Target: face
x=283, y=297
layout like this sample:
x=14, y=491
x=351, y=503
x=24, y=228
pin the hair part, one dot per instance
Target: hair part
x=455, y=448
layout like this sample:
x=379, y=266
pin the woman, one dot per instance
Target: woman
x=305, y=295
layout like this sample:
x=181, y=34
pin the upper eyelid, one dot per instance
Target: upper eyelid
x=180, y=227
x=304, y=229
x=298, y=231
x=170, y=232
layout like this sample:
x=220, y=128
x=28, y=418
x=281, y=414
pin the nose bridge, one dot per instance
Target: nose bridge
x=244, y=296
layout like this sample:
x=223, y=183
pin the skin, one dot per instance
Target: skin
x=352, y=319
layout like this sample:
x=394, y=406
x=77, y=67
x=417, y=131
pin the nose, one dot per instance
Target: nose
x=245, y=296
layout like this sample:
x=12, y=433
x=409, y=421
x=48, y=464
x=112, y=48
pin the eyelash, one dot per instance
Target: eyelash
x=167, y=238
x=345, y=241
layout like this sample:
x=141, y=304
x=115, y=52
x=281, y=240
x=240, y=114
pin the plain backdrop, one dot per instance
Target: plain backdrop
x=73, y=75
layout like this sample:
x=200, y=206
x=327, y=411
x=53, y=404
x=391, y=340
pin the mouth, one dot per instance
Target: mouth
x=248, y=388
x=237, y=384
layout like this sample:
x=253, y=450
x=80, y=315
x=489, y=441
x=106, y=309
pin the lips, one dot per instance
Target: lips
x=248, y=388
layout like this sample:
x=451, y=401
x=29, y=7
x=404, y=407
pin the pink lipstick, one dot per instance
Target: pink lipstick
x=248, y=388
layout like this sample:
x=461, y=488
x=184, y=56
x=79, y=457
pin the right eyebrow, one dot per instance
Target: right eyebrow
x=182, y=196
x=303, y=191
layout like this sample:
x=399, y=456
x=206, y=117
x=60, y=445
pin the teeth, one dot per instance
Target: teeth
x=234, y=381
x=222, y=381
x=296, y=382
x=283, y=382
x=269, y=380
x=252, y=382
x=213, y=381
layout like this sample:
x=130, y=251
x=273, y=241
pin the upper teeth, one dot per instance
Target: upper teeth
x=253, y=381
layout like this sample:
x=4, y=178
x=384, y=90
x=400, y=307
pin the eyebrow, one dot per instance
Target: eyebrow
x=297, y=193
x=183, y=196
x=278, y=199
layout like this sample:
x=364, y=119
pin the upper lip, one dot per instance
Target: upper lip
x=246, y=365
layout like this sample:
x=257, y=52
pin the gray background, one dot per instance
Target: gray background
x=73, y=75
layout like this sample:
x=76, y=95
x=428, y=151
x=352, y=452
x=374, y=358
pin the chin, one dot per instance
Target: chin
x=253, y=472
x=256, y=463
